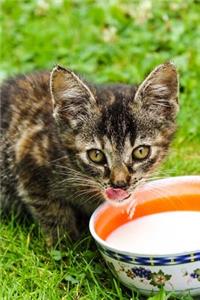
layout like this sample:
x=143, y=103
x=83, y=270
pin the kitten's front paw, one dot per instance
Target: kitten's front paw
x=49, y=241
x=56, y=239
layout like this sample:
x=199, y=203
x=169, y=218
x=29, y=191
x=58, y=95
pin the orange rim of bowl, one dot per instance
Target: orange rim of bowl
x=171, y=194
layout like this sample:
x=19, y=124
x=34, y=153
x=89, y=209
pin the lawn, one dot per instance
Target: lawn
x=107, y=41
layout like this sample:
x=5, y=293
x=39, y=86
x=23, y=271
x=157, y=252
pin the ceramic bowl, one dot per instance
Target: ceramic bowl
x=178, y=272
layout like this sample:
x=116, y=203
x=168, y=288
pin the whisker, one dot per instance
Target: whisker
x=57, y=159
x=91, y=198
x=77, y=182
x=74, y=172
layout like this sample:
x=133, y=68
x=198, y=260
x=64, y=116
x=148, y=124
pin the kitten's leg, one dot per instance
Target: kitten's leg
x=58, y=222
x=36, y=187
x=56, y=217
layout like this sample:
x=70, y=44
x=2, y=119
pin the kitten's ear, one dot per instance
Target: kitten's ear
x=159, y=91
x=72, y=98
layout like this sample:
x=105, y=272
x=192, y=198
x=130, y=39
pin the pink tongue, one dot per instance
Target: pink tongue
x=116, y=194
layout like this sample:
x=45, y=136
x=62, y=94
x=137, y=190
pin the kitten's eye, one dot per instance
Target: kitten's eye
x=96, y=156
x=141, y=152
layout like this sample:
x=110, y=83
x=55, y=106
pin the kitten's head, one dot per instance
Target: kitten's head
x=116, y=135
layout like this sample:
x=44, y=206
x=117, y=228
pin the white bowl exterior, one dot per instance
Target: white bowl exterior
x=180, y=273
x=181, y=278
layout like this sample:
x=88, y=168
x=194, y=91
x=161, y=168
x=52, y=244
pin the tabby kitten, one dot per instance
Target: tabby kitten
x=67, y=145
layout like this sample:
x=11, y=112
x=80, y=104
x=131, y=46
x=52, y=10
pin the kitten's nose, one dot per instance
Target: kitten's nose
x=120, y=184
x=120, y=177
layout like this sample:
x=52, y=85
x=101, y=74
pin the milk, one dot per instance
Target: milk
x=161, y=233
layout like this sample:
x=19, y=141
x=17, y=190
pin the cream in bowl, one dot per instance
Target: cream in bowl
x=160, y=245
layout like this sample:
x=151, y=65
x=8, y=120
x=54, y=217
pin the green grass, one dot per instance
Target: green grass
x=107, y=41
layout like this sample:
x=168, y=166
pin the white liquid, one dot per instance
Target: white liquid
x=162, y=233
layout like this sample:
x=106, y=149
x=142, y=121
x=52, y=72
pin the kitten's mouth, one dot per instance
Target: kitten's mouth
x=117, y=197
